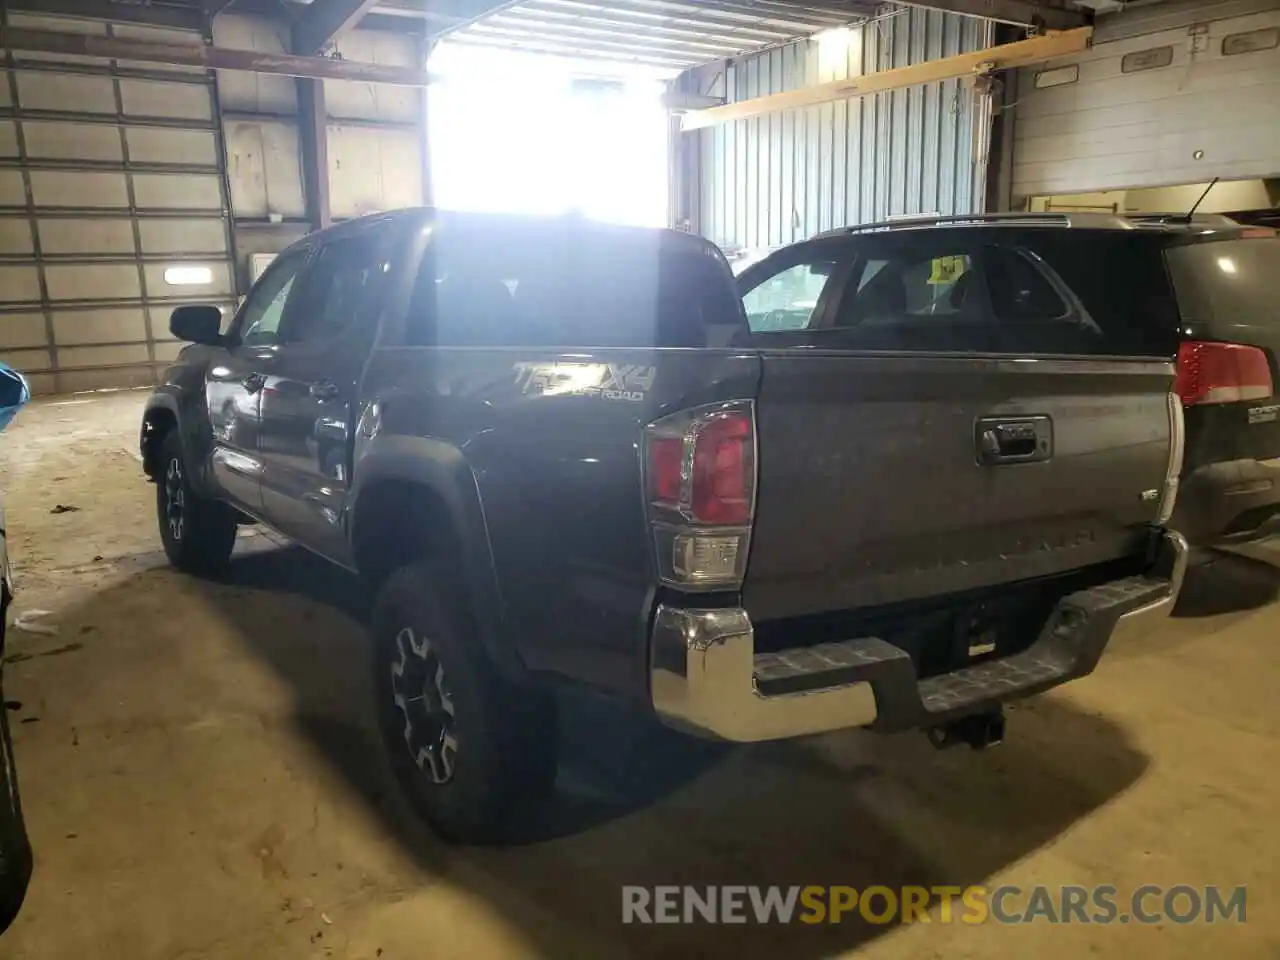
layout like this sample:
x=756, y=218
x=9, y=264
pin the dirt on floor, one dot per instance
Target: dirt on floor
x=201, y=777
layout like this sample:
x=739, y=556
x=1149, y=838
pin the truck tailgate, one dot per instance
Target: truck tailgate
x=887, y=478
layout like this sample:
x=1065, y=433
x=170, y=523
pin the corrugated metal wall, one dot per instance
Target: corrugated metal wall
x=783, y=177
x=1160, y=98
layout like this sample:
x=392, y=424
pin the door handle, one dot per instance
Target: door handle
x=1013, y=440
x=254, y=382
x=325, y=390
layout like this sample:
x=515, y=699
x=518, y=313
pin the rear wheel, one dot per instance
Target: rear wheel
x=472, y=750
x=197, y=533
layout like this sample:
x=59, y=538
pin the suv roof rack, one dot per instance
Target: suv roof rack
x=1112, y=220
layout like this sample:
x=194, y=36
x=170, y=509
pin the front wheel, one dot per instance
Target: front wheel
x=197, y=533
x=471, y=749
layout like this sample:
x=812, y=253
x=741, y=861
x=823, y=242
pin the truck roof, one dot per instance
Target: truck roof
x=1198, y=227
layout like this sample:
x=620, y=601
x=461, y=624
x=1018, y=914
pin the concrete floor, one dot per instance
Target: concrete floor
x=201, y=778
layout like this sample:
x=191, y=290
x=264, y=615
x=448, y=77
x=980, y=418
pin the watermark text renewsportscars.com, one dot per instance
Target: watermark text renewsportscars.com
x=1006, y=904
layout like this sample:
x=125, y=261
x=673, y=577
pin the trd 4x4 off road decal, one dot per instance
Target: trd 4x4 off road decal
x=609, y=381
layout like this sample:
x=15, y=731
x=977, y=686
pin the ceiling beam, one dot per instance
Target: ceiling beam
x=1019, y=54
x=325, y=20
x=212, y=58
x=1022, y=13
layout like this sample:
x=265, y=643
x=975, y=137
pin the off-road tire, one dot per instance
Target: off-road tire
x=503, y=735
x=197, y=533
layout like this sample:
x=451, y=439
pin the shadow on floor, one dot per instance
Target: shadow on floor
x=1219, y=583
x=637, y=804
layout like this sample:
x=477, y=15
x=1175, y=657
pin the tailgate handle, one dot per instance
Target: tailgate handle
x=1002, y=440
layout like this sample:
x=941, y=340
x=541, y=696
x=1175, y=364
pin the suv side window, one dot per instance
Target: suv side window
x=259, y=322
x=788, y=300
x=341, y=290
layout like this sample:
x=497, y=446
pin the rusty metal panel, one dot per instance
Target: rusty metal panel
x=372, y=169
x=132, y=31
x=772, y=180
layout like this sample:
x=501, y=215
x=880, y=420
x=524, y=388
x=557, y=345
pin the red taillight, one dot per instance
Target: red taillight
x=666, y=456
x=1221, y=373
x=701, y=476
x=723, y=471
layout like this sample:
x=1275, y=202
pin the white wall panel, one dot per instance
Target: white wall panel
x=46, y=90
x=373, y=169
x=92, y=281
x=163, y=145
x=98, y=236
x=19, y=284
x=15, y=237
x=50, y=140
x=264, y=168
x=154, y=98
x=187, y=191
x=8, y=138
x=102, y=356
x=1114, y=130
x=68, y=188
x=182, y=236
x=23, y=330
x=24, y=360
x=77, y=327
x=12, y=191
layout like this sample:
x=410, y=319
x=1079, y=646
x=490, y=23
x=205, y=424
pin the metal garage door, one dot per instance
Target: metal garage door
x=1172, y=93
x=112, y=210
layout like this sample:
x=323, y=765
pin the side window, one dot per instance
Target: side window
x=910, y=285
x=788, y=300
x=341, y=290
x=1020, y=291
x=264, y=308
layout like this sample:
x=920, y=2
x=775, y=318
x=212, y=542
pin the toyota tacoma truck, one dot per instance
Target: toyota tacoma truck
x=888, y=479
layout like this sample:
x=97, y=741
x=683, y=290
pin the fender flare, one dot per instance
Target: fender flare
x=443, y=469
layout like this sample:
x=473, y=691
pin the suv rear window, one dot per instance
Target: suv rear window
x=1228, y=281
x=543, y=283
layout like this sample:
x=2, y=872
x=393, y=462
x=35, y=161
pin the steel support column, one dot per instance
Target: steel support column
x=313, y=126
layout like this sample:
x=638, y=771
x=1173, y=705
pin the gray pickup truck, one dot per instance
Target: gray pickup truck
x=563, y=452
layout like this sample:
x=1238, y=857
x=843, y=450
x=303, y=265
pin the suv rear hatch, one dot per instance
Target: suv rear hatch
x=1227, y=294
x=951, y=418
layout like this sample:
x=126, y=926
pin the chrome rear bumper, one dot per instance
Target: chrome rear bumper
x=706, y=677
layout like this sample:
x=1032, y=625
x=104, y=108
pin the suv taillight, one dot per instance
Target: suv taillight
x=1221, y=373
x=700, y=479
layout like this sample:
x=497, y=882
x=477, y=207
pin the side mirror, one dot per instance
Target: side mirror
x=197, y=323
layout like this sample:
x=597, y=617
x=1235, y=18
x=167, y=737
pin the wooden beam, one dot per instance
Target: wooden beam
x=1019, y=54
x=325, y=20
x=213, y=58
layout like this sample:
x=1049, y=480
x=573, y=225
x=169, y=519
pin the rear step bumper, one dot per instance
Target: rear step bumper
x=706, y=678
